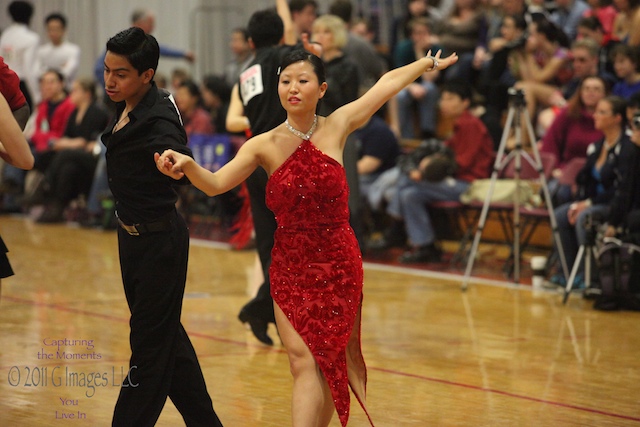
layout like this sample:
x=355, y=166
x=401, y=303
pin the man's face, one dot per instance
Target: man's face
x=451, y=105
x=55, y=31
x=583, y=63
x=304, y=19
x=121, y=80
x=238, y=44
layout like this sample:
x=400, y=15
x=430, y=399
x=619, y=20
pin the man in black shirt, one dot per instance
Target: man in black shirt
x=256, y=95
x=153, y=239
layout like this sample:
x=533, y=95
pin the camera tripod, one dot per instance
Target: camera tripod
x=517, y=108
x=586, y=252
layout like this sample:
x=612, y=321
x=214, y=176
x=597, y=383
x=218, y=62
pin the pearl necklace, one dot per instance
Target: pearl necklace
x=300, y=134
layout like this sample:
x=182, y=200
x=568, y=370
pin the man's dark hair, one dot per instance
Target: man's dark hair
x=242, y=31
x=140, y=49
x=21, y=11
x=342, y=9
x=265, y=28
x=299, y=5
x=458, y=87
x=56, y=17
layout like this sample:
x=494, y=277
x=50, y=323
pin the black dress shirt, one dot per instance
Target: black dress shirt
x=142, y=193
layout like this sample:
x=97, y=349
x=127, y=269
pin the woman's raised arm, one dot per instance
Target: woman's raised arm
x=356, y=113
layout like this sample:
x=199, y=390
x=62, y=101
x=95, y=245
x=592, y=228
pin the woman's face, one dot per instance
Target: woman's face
x=324, y=36
x=50, y=86
x=508, y=29
x=603, y=117
x=185, y=101
x=591, y=92
x=78, y=94
x=298, y=87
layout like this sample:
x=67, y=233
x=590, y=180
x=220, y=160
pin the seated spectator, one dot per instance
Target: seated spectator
x=195, y=119
x=361, y=51
x=597, y=181
x=423, y=93
x=591, y=28
x=58, y=53
x=378, y=152
x=544, y=67
x=572, y=131
x=73, y=157
x=604, y=12
x=343, y=77
x=50, y=121
x=628, y=16
x=567, y=15
x=497, y=75
x=633, y=107
x=216, y=95
x=464, y=31
x=626, y=63
x=472, y=148
x=584, y=57
x=624, y=219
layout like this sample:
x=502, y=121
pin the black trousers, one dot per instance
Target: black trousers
x=264, y=223
x=163, y=361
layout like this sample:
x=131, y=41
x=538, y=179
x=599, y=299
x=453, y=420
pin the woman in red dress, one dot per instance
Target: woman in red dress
x=316, y=269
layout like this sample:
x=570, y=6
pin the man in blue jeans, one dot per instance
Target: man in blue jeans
x=472, y=148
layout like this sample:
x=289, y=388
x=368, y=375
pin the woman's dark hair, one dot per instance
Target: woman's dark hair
x=88, y=85
x=618, y=108
x=218, y=86
x=298, y=55
x=551, y=31
x=519, y=21
x=55, y=72
x=265, y=28
x=140, y=49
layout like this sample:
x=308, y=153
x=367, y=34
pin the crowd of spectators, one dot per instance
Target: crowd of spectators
x=568, y=57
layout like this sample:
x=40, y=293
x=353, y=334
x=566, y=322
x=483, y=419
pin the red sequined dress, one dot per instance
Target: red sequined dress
x=316, y=267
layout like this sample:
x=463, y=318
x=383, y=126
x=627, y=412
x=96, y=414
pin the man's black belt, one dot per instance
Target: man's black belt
x=162, y=224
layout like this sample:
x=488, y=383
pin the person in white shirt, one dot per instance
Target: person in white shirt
x=58, y=54
x=18, y=45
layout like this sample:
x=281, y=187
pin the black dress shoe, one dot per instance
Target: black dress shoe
x=427, y=253
x=258, y=326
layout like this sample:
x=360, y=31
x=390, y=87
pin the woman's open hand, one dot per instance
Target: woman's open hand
x=444, y=63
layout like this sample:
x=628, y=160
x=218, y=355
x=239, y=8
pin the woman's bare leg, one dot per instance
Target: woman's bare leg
x=312, y=404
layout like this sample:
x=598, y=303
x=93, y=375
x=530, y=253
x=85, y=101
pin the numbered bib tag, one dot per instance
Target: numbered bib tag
x=251, y=83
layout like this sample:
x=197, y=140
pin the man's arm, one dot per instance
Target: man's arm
x=236, y=121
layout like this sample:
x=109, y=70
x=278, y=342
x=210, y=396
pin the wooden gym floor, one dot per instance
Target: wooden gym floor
x=496, y=355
